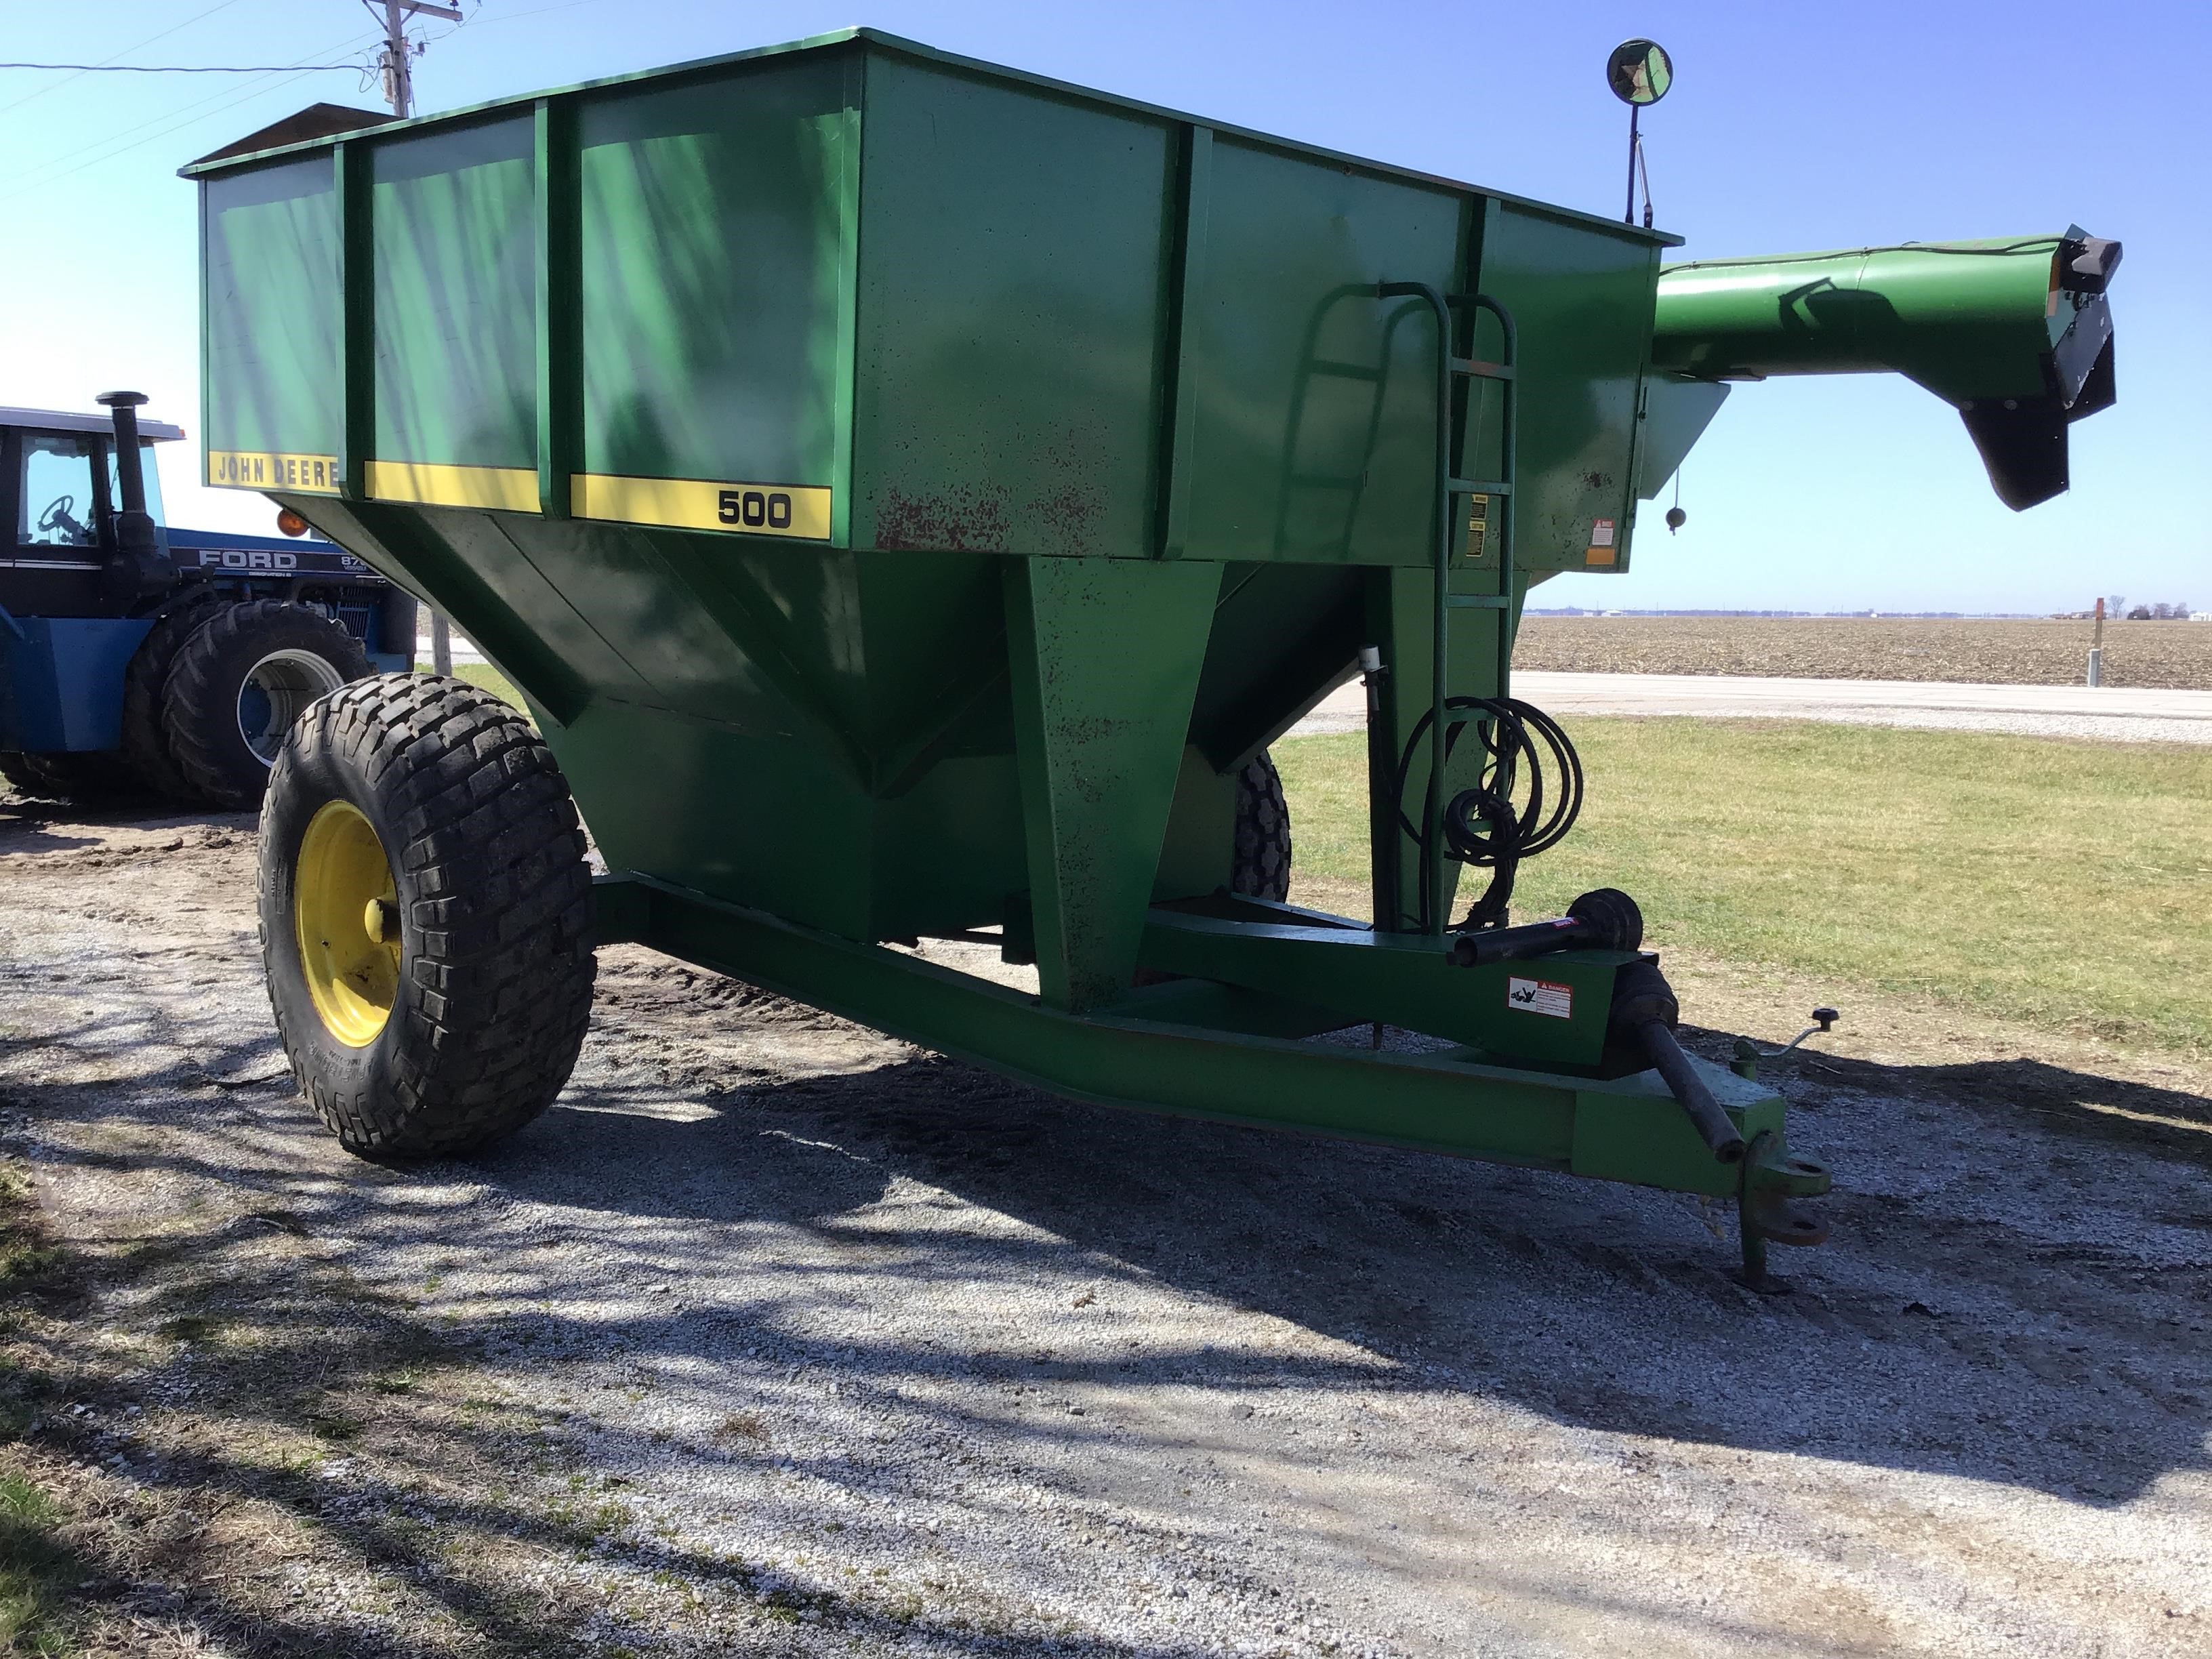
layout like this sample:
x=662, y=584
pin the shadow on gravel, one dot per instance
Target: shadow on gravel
x=297, y=1463
x=1929, y=1335
x=2122, y=1114
x=1932, y=1334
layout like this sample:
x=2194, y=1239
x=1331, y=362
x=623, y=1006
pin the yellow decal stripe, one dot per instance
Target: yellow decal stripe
x=256, y=469
x=503, y=489
x=801, y=511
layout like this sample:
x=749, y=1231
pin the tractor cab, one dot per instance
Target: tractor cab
x=66, y=498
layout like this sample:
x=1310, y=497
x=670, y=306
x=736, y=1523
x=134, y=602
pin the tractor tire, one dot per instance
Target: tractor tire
x=237, y=686
x=145, y=742
x=1260, y=867
x=15, y=771
x=425, y=913
x=93, y=777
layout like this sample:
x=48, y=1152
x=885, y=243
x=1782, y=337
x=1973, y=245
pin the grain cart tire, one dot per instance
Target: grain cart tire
x=1261, y=866
x=425, y=916
x=237, y=685
x=145, y=742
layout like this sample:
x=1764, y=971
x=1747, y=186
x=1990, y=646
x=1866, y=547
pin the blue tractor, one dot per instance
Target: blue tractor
x=136, y=659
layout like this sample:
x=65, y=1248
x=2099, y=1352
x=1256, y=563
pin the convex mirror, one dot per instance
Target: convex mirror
x=1639, y=72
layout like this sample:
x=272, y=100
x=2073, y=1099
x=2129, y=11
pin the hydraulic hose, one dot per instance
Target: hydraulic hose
x=1482, y=826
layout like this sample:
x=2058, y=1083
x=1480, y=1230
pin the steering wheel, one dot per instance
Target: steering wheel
x=59, y=516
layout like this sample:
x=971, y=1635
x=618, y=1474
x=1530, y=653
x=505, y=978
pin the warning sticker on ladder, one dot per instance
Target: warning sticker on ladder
x=1540, y=996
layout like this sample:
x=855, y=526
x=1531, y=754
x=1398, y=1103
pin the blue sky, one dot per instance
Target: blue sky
x=1789, y=128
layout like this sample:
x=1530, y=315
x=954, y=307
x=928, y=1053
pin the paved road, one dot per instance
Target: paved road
x=2114, y=714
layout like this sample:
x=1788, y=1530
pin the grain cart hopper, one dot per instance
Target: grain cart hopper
x=912, y=496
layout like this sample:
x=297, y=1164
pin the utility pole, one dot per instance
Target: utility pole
x=400, y=88
x=398, y=81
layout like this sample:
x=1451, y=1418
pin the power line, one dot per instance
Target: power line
x=517, y=16
x=180, y=68
x=220, y=5
x=163, y=124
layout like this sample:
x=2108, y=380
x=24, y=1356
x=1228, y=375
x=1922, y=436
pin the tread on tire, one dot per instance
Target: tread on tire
x=91, y=777
x=495, y=963
x=1260, y=866
x=200, y=698
x=145, y=741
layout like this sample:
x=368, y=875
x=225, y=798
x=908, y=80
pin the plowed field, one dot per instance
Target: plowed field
x=2170, y=654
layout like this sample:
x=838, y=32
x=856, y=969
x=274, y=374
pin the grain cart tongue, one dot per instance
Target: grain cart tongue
x=912, y=496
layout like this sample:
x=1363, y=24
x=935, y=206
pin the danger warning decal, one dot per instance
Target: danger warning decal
x=1602, y=549
x=1540, y=996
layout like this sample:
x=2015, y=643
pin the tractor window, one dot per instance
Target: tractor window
x=153, y=480
x=57, y=499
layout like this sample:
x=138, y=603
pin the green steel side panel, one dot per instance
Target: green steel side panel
x=456, y=251
x=1676, y=411
x=933, y=679
x=712, y=239
x=1583, y=301
x=757, y=820
x=1104, y=658
x=1196, y=852
x=1314, y=425
x=1283, y=636
x=469, y=566
x=949, y=852
x=1010, y=337
x=271, y=385
x=675, y=605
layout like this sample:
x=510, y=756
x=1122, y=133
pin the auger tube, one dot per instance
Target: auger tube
x=2014, y=333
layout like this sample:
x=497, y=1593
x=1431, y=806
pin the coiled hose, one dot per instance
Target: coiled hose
x=1482, y=825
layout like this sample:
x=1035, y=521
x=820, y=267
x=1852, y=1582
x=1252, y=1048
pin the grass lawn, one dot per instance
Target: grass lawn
x=483, y=674
x=2064, y=885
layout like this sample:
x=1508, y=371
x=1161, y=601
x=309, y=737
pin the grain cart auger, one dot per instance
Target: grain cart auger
x=912, y=496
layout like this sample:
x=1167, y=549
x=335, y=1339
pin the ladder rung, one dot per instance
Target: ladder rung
x=1479, y=487
x=1476, y=602
x=1478, y=369
x=1343, y=371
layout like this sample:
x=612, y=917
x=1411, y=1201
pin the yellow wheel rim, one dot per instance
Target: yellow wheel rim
x=345, y=909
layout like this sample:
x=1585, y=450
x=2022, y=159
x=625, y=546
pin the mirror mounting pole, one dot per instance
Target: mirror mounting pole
x=1628, y=212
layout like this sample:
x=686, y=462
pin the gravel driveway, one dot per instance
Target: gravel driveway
x=777, y=1336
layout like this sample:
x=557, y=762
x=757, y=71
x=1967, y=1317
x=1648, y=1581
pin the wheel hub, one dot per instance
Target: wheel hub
x=345, y=904
x=274, y=692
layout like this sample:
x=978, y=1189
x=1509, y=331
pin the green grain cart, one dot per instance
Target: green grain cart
x=912, y=496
